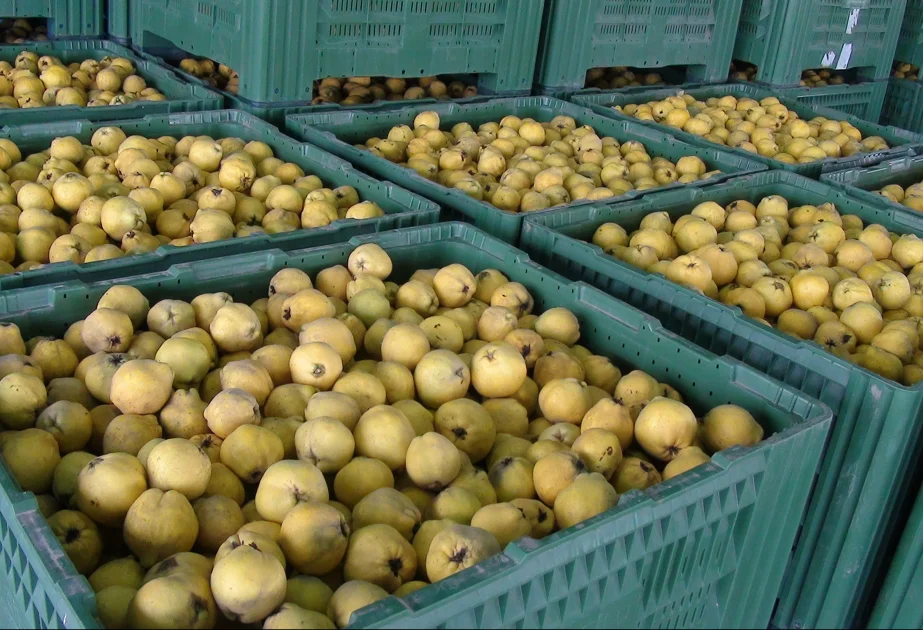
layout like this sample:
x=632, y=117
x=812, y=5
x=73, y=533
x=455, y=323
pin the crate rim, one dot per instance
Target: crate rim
x=51, y=16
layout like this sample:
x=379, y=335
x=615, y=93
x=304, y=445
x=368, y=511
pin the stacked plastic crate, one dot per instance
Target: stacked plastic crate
x=842, y=49
x=60, y=18
x=487, y=44
x=611, y=44
x=904, y=100
x=73, y=31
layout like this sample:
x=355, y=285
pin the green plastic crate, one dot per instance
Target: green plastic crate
x=784, y=37
x=862, y=183
x=910, y=41
x=862, y=100
x=182, y=97
x=705, y=549
x=66, y=18
x=582, y=34
x=402, y=208
x=898, y=604
x=117, y=21
x=279, y=47
x=903, y=106
x=876, y=440
x=337, y=131
x=899, y=140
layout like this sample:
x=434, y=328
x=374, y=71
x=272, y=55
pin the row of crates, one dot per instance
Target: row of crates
x=281, y=47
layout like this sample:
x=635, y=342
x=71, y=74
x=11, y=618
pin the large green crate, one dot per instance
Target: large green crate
x=898, y=604
x=899, y=140
x=66, y=18
x=402, y=208
x=877, y=436
x=910, y=41
x=707, y=549
x=279, y=47
x=117, y=21
x=578, y=35
x=862, y=183
x=784, y=37
x=337, y=131
x=903, y=106
x=862, y=100
x=181, y=96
